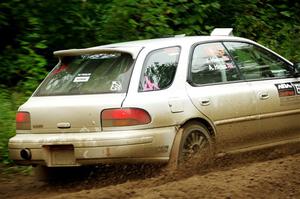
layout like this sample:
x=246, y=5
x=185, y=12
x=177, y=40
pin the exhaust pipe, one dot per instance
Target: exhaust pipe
x=25, y=154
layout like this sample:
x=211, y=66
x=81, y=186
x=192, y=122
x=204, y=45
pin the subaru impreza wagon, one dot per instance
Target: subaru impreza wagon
x=157, y=101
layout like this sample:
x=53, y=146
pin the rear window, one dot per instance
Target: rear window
x=89, y=74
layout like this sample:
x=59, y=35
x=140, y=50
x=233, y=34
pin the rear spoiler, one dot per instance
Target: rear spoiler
x=94, y=50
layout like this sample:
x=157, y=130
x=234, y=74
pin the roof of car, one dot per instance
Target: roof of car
x=173, y=41
x=133, y=47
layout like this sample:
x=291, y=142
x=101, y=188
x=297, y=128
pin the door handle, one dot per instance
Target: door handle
x=263, y=96
x=205, y=102
x=63, y=125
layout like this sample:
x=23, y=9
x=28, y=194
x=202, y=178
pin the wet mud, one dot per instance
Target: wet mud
x=268, y=173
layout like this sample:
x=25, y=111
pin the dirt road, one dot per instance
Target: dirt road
x=267, y=174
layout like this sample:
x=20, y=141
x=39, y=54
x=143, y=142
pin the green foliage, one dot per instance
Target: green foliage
x=157, y=18
x=7, y=124
x=271, y=23
x=10, y=100
x=31, y=30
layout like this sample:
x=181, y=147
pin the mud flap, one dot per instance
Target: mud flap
x=174, y=154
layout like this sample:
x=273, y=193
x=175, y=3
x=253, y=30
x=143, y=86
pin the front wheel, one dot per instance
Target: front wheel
x=193, y=146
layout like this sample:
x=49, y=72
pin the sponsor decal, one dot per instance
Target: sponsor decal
x=116, y=86
x=289, y=93
x=285, y=89
x=297, y=87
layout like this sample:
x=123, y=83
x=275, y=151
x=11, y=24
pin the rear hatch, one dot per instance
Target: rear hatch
x=84, y=83
x=76, y=113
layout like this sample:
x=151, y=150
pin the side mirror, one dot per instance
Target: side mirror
x=296, y=67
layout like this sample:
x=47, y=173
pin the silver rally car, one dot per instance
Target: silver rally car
x=159, y=100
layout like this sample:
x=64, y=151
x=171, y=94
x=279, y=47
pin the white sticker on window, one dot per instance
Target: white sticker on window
x=116, y=86
x=216, y=63
x=83, y=77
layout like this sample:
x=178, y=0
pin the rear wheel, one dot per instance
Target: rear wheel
x=192, y=146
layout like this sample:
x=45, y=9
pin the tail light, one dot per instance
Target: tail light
x=124, y=117
x=23, y=121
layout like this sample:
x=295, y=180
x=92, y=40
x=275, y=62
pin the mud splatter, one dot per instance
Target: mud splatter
x=271, y=173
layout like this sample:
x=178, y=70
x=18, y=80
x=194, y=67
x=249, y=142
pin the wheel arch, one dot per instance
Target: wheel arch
x=206, y=123
x=174, y=152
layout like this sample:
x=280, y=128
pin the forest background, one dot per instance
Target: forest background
x=30, y=30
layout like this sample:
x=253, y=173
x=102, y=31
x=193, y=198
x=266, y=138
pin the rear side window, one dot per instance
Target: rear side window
x=159, y=69
x=211, y=63
x=89, y=74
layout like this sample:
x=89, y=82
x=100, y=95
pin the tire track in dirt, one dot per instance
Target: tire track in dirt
x=278, y=178
x=271, y=173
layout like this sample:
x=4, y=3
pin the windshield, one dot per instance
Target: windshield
x=89, y=74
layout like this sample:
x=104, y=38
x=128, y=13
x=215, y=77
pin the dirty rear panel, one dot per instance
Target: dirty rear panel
x=80, y=113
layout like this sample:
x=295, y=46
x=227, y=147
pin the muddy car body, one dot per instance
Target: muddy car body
x=153, y=100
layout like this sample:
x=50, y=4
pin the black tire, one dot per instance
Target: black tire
x=193, y=146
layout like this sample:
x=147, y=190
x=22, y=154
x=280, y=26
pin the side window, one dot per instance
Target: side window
x=257, y=63
x=159, y=69
x=211, y=63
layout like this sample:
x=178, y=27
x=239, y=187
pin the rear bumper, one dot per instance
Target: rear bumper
x=75, y=149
